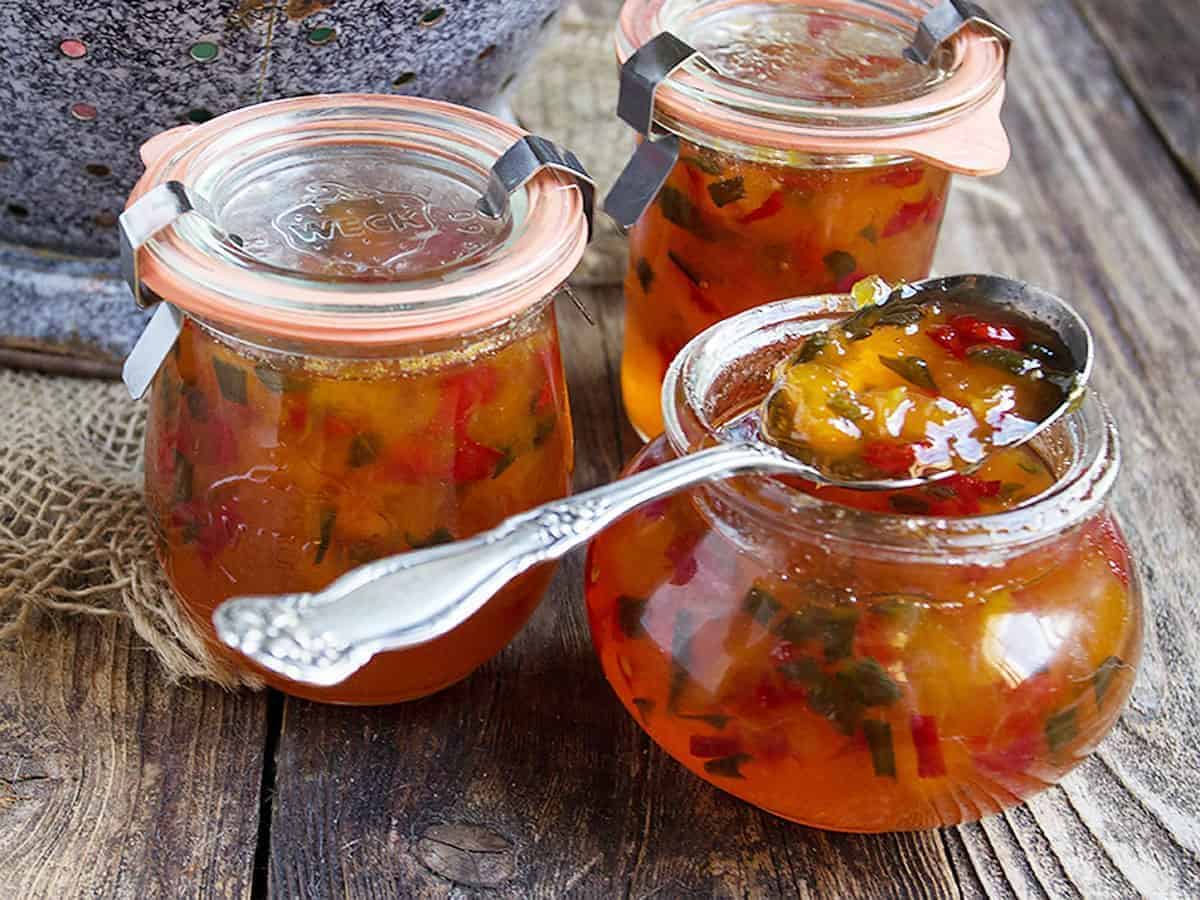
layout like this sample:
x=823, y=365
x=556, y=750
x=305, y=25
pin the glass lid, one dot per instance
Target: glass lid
x=355, y=216
x=359, y=211
x=850, y=56
x=824, y=76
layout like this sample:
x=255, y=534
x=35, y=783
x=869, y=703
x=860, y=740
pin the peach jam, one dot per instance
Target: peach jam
x=812, y=153
x=367, y=363
x=867, y=661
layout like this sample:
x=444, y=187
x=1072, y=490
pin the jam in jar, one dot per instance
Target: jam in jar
x=812, y=153
x=367, y=363
x=867, y=661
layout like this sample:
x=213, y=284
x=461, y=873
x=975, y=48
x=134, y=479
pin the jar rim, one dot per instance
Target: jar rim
x=953, y=120
x=524, y=257
x=749, y=345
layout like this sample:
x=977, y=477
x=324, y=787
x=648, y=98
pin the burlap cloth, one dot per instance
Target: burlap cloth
x=73, y=537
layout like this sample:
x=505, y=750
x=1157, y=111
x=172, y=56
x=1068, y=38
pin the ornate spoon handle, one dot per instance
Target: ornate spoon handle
x=415, y=597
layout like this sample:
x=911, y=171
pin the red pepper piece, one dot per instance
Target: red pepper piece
x=474, y=461
x=890, y=459
x=708, y=746
x=910, y=214
x=967, y=491
x=472, y=389
x=770, y=207
x=901, y=176
x=977, y=331
x=970, y=486
x=930, y=762
x=950, y=339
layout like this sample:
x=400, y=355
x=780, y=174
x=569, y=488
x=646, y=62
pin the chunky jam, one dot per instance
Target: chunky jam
x=727, y=234
x=858, y=687
x=272, y=473
x=910, y=386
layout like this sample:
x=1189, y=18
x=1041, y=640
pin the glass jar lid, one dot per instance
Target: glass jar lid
x=355, y=218
x=827, y=76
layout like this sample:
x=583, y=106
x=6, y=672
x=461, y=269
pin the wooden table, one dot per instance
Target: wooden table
x=528, y=780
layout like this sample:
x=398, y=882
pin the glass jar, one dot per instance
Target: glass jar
x=857, y=670
x=367, y=363
x=812, y=154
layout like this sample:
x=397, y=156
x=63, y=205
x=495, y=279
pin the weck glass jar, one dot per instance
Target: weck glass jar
x=812, y=153
x=854, y=668
x=367, y=362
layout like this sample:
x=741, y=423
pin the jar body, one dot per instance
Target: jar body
x=271, y=471
x=727, y=233
x=849, y=690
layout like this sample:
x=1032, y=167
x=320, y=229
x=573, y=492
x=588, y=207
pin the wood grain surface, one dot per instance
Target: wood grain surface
x=1156, y=48
x=529, y=780
x=115, y=784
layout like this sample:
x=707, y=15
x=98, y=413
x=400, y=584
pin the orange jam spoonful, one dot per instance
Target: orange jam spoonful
x=926, y=380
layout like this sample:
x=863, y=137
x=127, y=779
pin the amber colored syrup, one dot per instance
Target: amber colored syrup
x=265, y=480
x=850, y=690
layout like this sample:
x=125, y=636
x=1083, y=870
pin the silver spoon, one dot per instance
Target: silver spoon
x=413, y=598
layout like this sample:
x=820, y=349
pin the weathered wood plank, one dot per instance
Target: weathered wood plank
x=1093, y=208
x=115, y=785
x=1156, y=47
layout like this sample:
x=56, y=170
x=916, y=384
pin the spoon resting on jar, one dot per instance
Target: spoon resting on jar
x=918, y=385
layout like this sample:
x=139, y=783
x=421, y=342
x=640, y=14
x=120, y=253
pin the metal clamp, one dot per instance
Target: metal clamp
x=147, y=356
x=644, y=175
x=153, y=211
x=524, y=159
x=946, y=20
